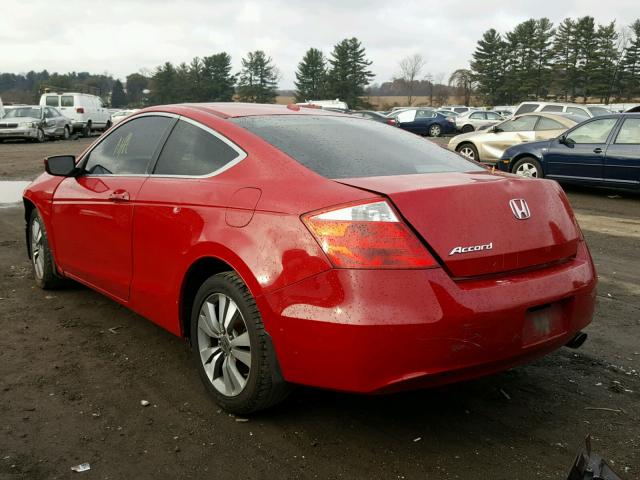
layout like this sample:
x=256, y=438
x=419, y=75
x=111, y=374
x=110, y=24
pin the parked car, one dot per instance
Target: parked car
x=287, y=259
x=587, y=111
x=488, y=145
x=120, y=115
x=87, y=112
x=336, y=104
x=34, y=123
x=602, y=151
x=448, y=113
x=375, y=116
x=423, y=121
x=475, y=120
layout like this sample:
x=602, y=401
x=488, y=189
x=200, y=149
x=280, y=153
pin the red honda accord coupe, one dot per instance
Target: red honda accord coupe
x=300, y=246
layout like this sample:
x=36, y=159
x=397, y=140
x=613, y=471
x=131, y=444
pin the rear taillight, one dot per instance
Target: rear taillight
x=368, y=235
x=80, y=110
x=391, y=121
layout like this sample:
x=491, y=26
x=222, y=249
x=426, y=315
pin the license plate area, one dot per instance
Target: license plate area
x=543, y=323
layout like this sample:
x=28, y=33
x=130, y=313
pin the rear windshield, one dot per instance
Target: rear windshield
x=344, y=147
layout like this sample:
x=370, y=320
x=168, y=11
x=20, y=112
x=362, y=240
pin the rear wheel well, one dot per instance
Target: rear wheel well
x=200, y=271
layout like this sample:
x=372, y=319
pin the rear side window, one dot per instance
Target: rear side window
x=52, y=100
x=552, y=108
x=193, y=151
x=630, y=132
x=129, y=149
x=577, y=111
x=493, y=116
x=342, y=147
x=477, y=116
x=526, y=108
x=66, y=101
x=548, y=124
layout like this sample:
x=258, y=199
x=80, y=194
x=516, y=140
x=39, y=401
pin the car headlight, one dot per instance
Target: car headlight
x=31, y=124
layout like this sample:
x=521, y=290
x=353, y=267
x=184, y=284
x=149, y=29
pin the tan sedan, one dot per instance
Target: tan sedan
x=488, y=145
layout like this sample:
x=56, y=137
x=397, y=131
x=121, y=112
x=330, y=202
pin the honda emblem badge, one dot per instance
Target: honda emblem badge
x=520, y=208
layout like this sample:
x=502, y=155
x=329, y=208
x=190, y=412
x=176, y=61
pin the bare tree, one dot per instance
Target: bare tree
x=440, y=89
x=410, y=68
x=462, y=79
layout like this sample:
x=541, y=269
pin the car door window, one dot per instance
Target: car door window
x=52, y=100
x=493, y=116
x=477, y=116
x=425, y=114
x=552, y=108
x=592, y=132
x=549, y=124
x=629, y=132
x=407, y=116
x=520, y=124
x=48, y=113
x=66, y=101
x=129, y=149
x=526, y=108
x=191, y=150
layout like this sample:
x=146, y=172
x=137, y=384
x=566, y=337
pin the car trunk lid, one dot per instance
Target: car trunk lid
x=467, y=219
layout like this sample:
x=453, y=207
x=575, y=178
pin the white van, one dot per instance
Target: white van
x=587, y=111
x=85, y=111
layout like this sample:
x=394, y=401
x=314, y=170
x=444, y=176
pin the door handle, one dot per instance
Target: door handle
x=597, y=150
x=119, y=196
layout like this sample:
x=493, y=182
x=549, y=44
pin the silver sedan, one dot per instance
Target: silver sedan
x=476, y=120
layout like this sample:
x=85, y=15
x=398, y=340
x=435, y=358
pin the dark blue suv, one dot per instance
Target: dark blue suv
x=602, y=151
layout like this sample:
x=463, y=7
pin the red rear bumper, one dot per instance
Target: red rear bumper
x=381, y=330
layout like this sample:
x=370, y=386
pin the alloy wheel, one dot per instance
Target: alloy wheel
x=37, y=248
x=527, y=169
x=468, y=153
x=435, y=131
x=224, y=344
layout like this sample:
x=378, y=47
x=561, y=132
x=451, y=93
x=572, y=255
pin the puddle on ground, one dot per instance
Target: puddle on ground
x=11, y=191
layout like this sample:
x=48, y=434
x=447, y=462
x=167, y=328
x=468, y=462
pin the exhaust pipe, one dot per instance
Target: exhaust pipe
x=577, y=341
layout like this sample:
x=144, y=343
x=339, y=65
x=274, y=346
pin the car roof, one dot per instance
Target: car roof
x=564, y=119
x=237, y=109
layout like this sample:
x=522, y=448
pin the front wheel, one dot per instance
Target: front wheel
x=467, y=129
x=435, y=130
x=66, y=133
x=40, y=136
x=528, y=167
x=233, y=352
x=469, y=151
x=44, y=269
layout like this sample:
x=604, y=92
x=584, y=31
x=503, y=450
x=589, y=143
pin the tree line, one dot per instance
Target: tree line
x=577, y=61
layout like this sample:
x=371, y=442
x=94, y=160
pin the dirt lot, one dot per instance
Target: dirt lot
x=71, y=387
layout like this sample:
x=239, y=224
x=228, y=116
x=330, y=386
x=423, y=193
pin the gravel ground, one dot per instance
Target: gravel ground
x=71, y=387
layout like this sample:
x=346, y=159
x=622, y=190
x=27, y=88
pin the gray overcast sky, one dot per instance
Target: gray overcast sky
x=124, y=36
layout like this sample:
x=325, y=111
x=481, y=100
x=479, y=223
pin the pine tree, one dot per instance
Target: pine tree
x=348, y=72
x=218, y=81
x=195, y=76
x=605, y=70
x=136, y=84
x=488, y=66
x=630, y=71
x=163, y=84
x=565, y=49
x=543, y=54
x=311, y=76
x=118, y=97
x=258, y=79
x=587, y=55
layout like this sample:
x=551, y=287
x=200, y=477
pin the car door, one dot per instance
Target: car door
x=407, y=121
x=506, y=134
x=49, y=124
x=579, y=154
x=180, y=202
x=477, y=119
x=622, y=159
x=92, y=213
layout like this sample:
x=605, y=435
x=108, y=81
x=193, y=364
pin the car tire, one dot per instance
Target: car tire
x=528, y=167
x=235, y=358
x=107, y=126
x=467, y=129
x=66, y=134
x=44, y=270
x=86, y=131
x=434, y=130
x=468, y=150
x=41, y=136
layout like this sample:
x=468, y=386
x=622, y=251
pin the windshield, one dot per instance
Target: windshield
x=346, y=147
x=24, y=112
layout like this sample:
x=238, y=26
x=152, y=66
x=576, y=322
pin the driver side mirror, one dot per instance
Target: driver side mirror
x=61, y=165
x=496, y=129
